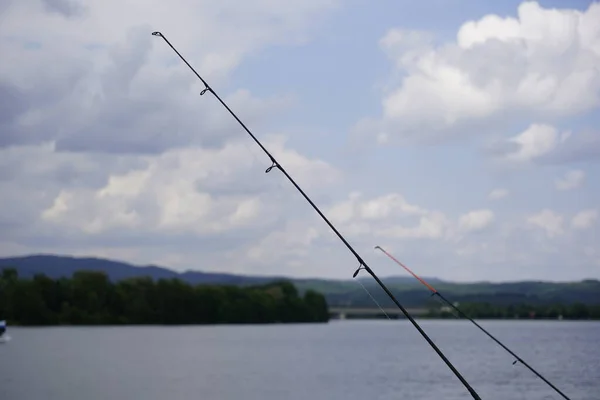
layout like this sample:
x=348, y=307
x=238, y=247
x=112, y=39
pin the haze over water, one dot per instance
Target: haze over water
x=340, y=360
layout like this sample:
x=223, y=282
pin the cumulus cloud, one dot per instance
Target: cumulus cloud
x=572, y=180
x=549, y=221
x=388, y=216
x=194, y=190
x=391, y=216
x=498, y=194
x=584, y=219
x=466, y=86
x=476, y=220
x=544, y=144
x=119, y=89
x=536, y=141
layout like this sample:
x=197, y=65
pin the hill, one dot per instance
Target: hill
x=54, y=267
x=337, y=292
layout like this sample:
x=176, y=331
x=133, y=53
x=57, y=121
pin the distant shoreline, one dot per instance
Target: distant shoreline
x=334, y=321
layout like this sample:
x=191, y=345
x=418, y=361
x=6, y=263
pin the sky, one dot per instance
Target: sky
x=461, y=136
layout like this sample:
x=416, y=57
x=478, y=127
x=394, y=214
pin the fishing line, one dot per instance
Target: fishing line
x=462, y=314
x=372, y=298
x=361, y=262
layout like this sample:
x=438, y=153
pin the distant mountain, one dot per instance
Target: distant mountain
x=55, y=267
x=338, y=292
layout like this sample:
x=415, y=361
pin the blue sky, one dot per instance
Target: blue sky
x=460, y=135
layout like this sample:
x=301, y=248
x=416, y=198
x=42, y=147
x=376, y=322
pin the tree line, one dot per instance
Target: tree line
x=90, y=298
x=484, y=310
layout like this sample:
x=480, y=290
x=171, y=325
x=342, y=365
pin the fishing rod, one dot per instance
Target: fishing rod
x=462, y=314
x=361, y=262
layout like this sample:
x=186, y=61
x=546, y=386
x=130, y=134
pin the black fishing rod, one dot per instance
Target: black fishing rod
x=462, y=314
x=361, y=262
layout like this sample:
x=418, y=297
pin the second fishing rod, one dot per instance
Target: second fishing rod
x=463, y=315
x=361, y=262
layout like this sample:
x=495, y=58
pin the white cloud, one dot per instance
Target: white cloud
x=549, y=221
x=195, y=190
x=544, y=144
x=383, y=207
x=467, y=86
x=584, y=219
x=119, y=89
x=430, y=226
x=534, y=142
x=392, y=217
x=388, y=216
x=476, y=220
x=498, y=193
x=572, y=180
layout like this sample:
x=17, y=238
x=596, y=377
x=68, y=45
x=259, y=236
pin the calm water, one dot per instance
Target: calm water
x=350, y=360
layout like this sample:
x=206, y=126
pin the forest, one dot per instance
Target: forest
x=90, y=298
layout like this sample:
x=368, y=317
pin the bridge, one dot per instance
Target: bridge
x=364, y=312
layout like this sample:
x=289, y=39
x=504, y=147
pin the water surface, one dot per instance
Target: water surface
x=349, y=360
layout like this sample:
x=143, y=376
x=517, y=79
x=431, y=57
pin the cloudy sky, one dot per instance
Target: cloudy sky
x=462, y=136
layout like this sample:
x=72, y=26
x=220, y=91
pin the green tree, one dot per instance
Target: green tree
x=89, y=297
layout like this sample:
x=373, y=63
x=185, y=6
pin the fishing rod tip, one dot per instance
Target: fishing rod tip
x=377, y=247
x=157, y=33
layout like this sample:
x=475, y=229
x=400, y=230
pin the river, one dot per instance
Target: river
x=346, y=360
